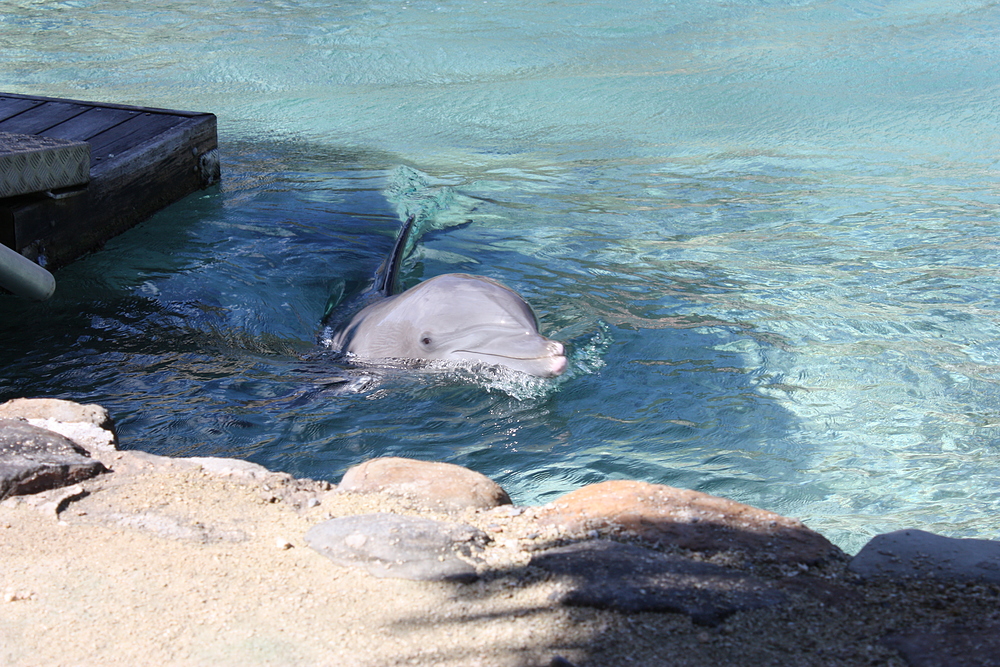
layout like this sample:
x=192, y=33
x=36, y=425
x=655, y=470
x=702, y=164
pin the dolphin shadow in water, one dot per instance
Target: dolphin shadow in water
x=454, y=318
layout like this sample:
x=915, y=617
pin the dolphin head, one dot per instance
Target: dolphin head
x=454, y=317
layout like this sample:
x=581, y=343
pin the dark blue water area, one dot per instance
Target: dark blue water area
x=198, y=331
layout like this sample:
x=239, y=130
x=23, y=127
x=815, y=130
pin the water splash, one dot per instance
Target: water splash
x=585, y=358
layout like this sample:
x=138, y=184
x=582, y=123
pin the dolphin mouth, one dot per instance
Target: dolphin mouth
x=548, y=365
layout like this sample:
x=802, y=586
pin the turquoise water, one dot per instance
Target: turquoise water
x=767, y=230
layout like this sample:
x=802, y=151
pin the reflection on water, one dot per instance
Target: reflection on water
x=766, y=229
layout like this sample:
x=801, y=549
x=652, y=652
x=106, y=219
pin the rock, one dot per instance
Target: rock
x=225, y=467
x=831, y=593
x=917, y=553
x=90, y=426
x=432, y=485
x=57, y=409
x=33, y=459
x=688, y=519
x=51, y=502
x=404, y=547
x=954, y=645
x=611, y=575
x=61, y=498
x=170, y=527
x=92, y=438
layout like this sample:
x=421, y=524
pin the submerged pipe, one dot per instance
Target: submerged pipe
x=23, y=277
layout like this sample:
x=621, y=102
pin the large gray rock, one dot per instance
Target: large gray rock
x=404, y=547
x=917, y=553
x=34, y=459
x=611, y=575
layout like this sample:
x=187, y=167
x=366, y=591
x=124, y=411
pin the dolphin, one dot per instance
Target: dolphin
x=452, y=318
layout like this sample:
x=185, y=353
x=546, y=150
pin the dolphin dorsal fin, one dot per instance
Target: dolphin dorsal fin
x=386, y=281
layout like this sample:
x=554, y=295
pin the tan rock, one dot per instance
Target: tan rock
x=688, y=519
x=430, y=484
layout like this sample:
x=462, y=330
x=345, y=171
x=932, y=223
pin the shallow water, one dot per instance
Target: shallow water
x=766, y=229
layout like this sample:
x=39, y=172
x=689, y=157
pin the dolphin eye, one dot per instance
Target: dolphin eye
x=425, y=340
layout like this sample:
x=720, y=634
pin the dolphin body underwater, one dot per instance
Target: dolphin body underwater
x=453, y=318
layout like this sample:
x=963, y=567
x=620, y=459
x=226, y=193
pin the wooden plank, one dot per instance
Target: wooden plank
x=11, y=106
x=39, y=119
x=128, y=135
x=7, y=228
x=106, y=105
x=90, y=123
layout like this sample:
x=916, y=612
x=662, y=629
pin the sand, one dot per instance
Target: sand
x=164, y=563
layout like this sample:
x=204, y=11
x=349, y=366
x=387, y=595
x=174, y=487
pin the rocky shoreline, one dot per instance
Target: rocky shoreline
x=122, y=557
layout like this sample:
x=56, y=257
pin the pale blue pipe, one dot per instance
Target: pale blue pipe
x=23, y=277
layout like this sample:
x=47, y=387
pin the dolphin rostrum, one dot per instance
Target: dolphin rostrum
x=454, y=317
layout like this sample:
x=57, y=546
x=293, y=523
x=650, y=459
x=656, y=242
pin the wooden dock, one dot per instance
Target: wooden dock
x=140, y=161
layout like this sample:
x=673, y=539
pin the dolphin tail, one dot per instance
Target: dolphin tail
x=388, y=276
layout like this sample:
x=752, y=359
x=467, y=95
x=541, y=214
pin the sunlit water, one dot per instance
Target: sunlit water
x=768, y=231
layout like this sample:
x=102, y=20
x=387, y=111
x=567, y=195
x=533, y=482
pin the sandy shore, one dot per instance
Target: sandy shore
x=164, y=562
